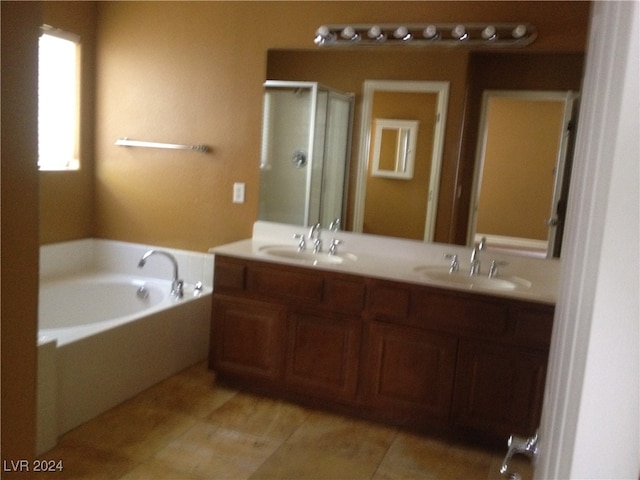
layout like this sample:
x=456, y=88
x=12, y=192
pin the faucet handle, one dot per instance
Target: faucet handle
x=455, y=266
x=317, y=245
x=334, y=226
x=333, y=247
x=314, y=231
x=302, y=245
x=494, y=267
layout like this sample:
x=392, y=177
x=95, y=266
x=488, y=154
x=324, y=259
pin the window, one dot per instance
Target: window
x=58, y=100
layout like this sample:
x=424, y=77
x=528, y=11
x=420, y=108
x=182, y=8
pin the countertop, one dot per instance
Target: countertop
x=403, y=260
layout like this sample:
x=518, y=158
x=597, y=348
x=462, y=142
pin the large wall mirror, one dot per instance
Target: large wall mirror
x=468, y=74
x=520, y=168
x=400, y=199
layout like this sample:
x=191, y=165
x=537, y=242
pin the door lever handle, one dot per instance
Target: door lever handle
x=518, y=445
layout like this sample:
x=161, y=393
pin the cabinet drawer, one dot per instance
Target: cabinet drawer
x=460, y=315
x=533, y=325
x=344, y=295
x=228, y=274
x=433, y=309
x=389, y=301
x=287, y=284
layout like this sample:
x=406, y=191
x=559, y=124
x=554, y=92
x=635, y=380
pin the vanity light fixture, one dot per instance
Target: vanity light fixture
x=445, y=34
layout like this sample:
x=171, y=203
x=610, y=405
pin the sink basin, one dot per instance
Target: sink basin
x=463, y=279
x=289, y=252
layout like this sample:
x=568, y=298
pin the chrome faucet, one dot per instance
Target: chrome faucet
x=177, y=285
x=314, y=238
x=475, y=261
x=334, y=226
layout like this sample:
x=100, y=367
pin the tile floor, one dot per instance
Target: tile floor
x=189, y=428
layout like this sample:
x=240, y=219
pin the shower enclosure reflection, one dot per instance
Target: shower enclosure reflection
x=305, y=148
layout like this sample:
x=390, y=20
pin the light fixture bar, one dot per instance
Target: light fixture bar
x=427, y=34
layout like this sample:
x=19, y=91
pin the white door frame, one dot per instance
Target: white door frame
x=568, y=97
x=370, y=87
x=590, y=426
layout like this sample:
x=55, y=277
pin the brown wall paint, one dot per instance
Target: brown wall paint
x=518, y=173
x=192, y=73
x=435, y=65
x=66, y=198
x=509, y=71
x=210, y=62
x=394, y=207
x=19, y=174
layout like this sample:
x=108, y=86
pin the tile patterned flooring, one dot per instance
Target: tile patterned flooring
x=187, y=427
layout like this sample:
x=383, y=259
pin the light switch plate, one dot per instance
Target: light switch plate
x=238, y=192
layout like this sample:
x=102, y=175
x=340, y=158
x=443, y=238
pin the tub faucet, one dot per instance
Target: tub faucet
x=475, y=261
x=177, y=290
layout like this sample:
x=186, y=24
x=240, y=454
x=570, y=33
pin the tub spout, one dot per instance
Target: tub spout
x=176, y=284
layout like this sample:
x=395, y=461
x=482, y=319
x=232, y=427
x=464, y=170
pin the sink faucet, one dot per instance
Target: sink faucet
x=176, y=284
x=314, y=238
x=475, y=261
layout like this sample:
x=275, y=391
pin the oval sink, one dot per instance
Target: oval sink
x=291, y=253
x=463, y=279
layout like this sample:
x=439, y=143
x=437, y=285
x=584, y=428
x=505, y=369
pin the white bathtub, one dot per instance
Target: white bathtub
x=100, y=342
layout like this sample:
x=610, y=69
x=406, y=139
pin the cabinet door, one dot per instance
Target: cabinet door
x=248, y=338
x=323, y=355
x=499, y=389
x=410, y=373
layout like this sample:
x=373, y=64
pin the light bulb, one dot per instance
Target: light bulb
x=402, y=33
x=430, y=32
x=519, y=32
x=376, y=33
x=323, y=35
x=489, y=33
x=349, y=33
x=459, y=32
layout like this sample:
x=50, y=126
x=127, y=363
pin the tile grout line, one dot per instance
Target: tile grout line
x=395, y=437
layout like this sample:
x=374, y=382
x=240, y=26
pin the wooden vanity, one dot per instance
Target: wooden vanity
x=464, y=364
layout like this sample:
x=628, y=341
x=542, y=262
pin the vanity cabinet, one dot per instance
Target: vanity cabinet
x=286, y=329
x=410, y=354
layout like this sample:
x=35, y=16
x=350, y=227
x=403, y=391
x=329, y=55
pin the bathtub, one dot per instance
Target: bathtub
x=108, y=329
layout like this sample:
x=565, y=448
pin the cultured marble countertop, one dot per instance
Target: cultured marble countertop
x=402, y=260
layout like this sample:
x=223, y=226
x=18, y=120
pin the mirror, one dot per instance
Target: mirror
x=469, y=73
x=520, y=168
x=394, y=146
